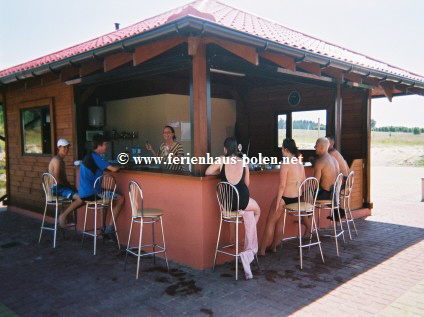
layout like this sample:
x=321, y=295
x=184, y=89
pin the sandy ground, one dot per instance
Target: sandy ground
x=397, y=191
x=396, y=156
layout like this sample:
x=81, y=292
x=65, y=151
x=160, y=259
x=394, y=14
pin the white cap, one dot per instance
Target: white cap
x=62, y=142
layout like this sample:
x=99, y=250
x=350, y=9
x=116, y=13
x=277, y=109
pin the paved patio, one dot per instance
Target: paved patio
x=379, y=273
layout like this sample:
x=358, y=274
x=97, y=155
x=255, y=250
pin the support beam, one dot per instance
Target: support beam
x=281, y=60
x=68, y=73
x=387, y=89
x=247, y=53
x=312, y=68
x=116, y=60
x=367, y=150
x=371, y=81
x=90, y=67
x=49, y=77
x=338, y=117
x=333, y=72
x=193, y=44
x=151, y=50
x=353, y=77
x=33, y=82
x=200, y=108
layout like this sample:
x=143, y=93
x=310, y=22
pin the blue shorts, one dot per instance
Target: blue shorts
x=109, y=195
x=59, y=190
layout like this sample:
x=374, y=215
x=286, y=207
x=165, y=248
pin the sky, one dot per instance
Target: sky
x=388, y=30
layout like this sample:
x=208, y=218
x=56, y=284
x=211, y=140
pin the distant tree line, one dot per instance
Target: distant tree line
x=391, y=128
x=415, y=130
x=302, y=124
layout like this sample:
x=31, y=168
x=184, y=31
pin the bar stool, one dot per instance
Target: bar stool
x=333, y=205
x=104, y=193
x=143, y=216
x=345, y=195
x=227, y=194
x=308, y=189
x=49, y=184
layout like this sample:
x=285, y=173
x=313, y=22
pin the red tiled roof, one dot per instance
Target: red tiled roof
x=224, y=15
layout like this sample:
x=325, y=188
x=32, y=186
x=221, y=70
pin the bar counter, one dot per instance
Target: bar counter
x=191, y=212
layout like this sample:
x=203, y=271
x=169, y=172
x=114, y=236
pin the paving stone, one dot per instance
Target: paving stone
x=380, y=272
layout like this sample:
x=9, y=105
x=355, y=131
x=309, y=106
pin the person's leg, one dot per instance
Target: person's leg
x=307, y=221
x=253, y=206
x=278, y=233
x=76, y=203
x=273, y=217
x=117, y=206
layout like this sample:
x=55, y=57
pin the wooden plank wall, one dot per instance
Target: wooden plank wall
x=25, y=170
x=357, y=198
x=264, y=103
x=353, y=123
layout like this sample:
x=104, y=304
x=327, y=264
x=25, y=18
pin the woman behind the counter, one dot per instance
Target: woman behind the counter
x=168, y=147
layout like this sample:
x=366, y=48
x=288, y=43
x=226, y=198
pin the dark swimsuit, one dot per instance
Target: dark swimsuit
x=324, y=194
x=290, y=200
x=242, y=190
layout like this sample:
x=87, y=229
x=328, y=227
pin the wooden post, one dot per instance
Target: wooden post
x=200, y=111
x=367, y=148
x=338, y=117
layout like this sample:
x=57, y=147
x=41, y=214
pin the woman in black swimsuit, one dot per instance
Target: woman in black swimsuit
x=236, y=175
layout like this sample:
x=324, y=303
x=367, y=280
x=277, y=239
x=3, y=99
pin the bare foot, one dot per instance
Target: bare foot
x=273, y=248
x=261, y=253
x=62, y=221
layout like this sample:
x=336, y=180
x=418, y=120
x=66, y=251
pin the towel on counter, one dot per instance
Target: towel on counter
x=250, y=242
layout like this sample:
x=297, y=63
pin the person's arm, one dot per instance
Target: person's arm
x=317, y=172
x=214, y=169
x=102, y=164
x=179, y=151
x=150, y=148
x=54, y=169
x=281, y=186
x=113, y=168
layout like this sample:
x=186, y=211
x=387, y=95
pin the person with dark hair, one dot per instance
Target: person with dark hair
x=344, y=168
x=291, y=175
x=92, y=167
x=235, y=174
x=170, y=148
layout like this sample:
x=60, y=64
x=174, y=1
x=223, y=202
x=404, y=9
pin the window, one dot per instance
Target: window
x=281, y=128
x=36, y=130
x=307, y=127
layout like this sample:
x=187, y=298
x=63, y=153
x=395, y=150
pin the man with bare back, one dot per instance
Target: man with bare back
x=344, y=168
x=63, y=188
x=326, y=169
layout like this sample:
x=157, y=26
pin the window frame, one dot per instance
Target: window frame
x=37, y=104
x=289, y=124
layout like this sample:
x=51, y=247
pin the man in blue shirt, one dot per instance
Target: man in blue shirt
x=91, y=168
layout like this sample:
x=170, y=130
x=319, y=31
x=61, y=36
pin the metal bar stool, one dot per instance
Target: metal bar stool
x=104, y=193
x=308, y=189
x=225, y=193
x=49, y=184
x=333, y=205
x=345, y=195
x=144, y=216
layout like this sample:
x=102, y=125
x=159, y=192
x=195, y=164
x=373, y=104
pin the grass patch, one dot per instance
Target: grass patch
x=388, y=139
